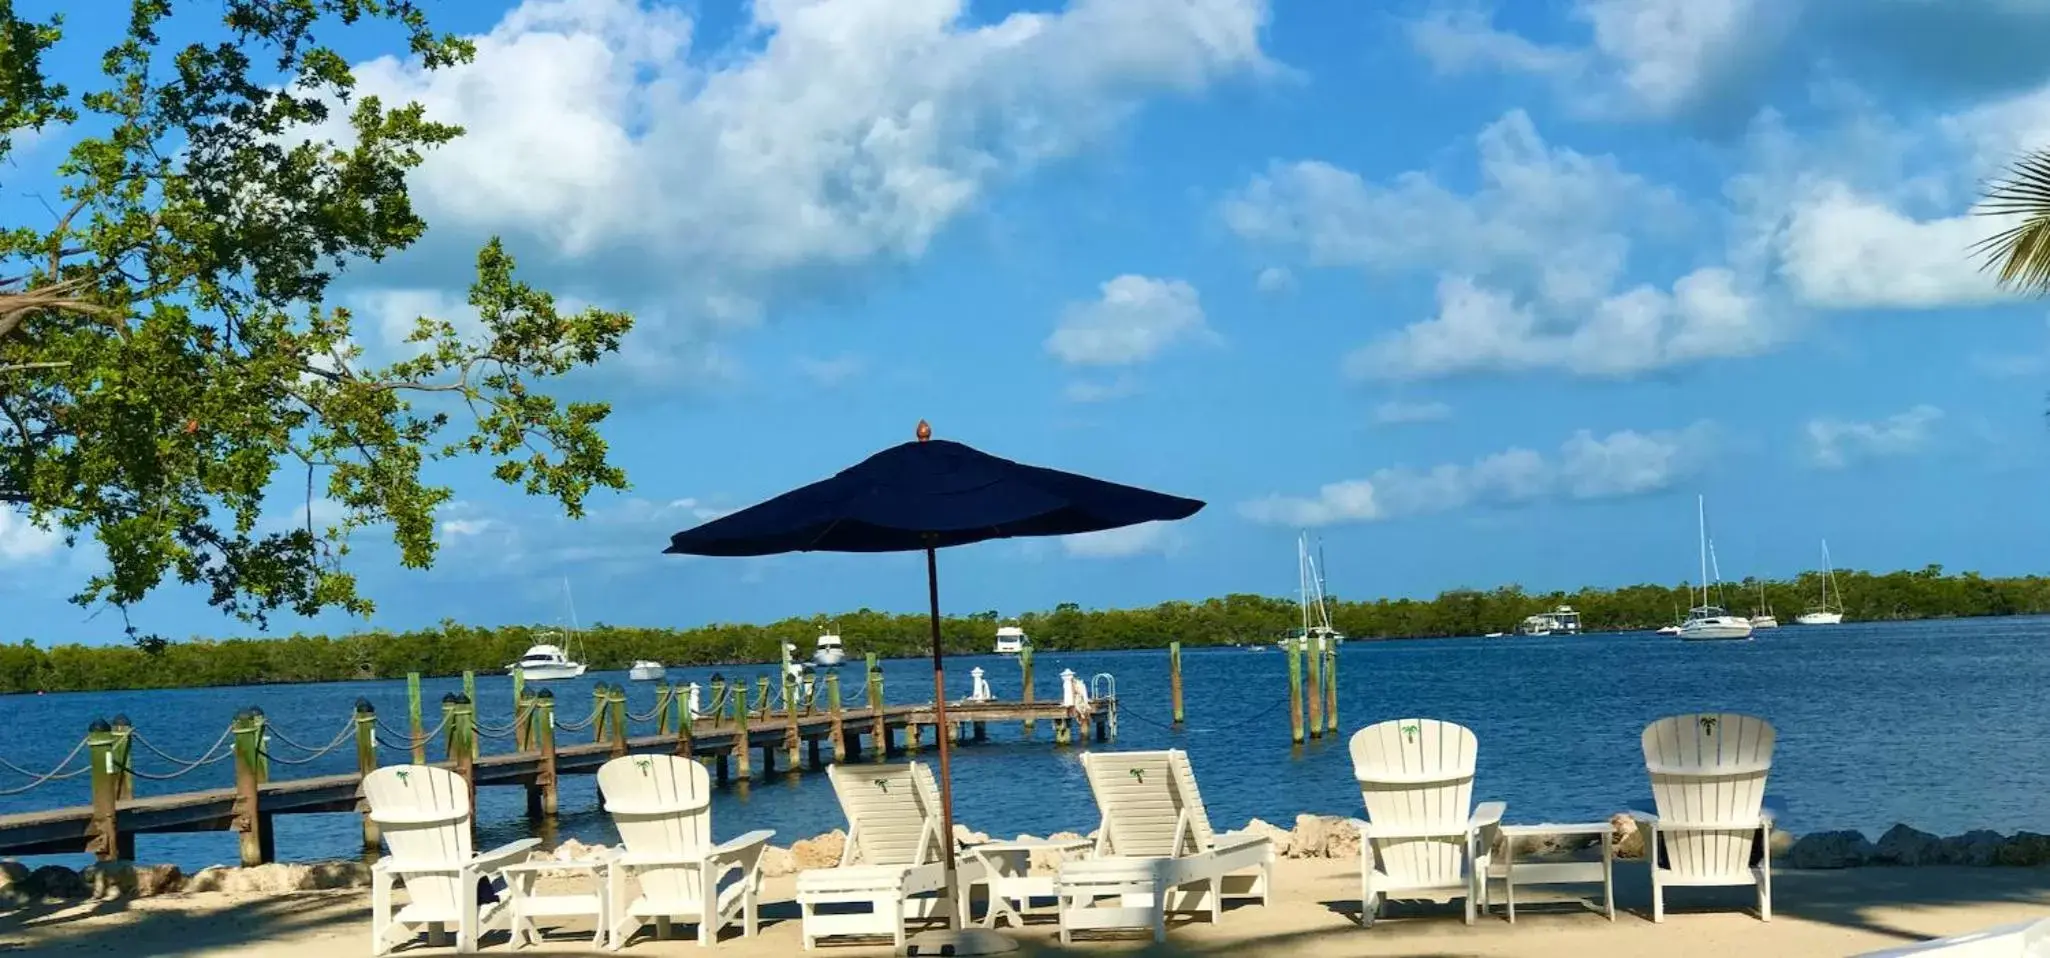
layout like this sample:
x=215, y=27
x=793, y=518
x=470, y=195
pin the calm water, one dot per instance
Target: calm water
x=1936, y=724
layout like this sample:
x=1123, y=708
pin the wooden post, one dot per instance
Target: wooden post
x=462, y=747
x=1025, y=676
x=520, y=698
x=523, y=719
x=878, y=729
x=1062, y=730
x=601, y=706
x=790, y=736
x=839, y=731
x=685, y=724
x=470, y=685
x=1174, y=678
x=105, y=840
x=662, y=714
x=718, y=709
x=616, y=701
x=762, y=694
x=541, y=794
x=1331, y=690
x=740, y=743
x=914, y=737
x=250, y=821
x=366, y=762
x=1315, y=652
x=1294, y=651
x=413, y=710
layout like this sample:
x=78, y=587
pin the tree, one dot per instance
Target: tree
x=166, y=351
x=2020, y=254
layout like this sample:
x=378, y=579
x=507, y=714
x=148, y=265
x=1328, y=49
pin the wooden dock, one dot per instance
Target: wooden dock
x=799, y=738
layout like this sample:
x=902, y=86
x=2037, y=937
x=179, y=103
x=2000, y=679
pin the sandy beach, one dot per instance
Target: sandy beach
x=1819, y=913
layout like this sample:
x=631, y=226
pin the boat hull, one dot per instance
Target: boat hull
x=828, y=658
x=547, y=673
x=1669, y=630
x=646, y=673
x=1725, y=628
x=1820, y=618
x=1765, y=622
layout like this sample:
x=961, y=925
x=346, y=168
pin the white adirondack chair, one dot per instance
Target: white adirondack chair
x=1708, y=780
x=1423, y=837
x=662, y=806
x=424, y=815
x=1155, y=851
x=2024, y=939
x=891, y=862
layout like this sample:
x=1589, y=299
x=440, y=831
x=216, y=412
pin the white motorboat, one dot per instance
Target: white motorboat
x=1011, y=640
x=547, y=661
x=646, y=670
x=1669, y=630
x=1560, y=621
x=829, y=652
x=1825, y=614
x=1709, y=621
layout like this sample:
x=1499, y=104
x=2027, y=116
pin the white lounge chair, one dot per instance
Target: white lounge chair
x=424, y=815
x=1708, y=780
x=1153, y=844
x=2025, y=939
x=1423, y=837
x=892, y=858
x=662, y=806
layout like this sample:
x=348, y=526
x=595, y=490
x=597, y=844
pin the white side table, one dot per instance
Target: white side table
x=1557, y=873
x=526, y=904
x=1007, y=874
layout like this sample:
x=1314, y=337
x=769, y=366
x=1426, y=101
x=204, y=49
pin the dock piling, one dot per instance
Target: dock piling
x=790, y=739
x=413, y=711
x=1314, y=653
x=740, y=743
x=718, y=699
x=462, y=747
x=615, y=697
x=686, y=719
x=470, y=685
x=839, y=732
x=1174, y=679
x=878, y=732
x=541, y=794
x=1294, y=651
x=366, y=762
x=519, y=683
x=105, y=841
x=1025, y=678
x=252, y=824
x=1331, y=690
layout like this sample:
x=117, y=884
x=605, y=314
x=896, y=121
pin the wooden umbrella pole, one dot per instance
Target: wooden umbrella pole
x=939, y=704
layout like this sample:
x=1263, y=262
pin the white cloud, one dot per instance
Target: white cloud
x=1841, y=250
x=612, y=152
x=24, y=541
x=1623, y=463
x=1396, y=412
x=831, y=371
x=1836, y=443
x=1148, y=537
x=1133, y=320
x=1275, y=279
x=469, y=528
x=1100, y=390
x=1706, y=315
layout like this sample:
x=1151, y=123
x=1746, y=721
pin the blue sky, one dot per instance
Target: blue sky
x=1484, y=295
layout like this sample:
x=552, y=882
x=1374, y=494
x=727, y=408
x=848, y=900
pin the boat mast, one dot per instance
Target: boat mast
x=571, y=599
x=1701, y=518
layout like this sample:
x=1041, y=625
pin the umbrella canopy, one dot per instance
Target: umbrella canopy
x=928, y=494
x=923, y=496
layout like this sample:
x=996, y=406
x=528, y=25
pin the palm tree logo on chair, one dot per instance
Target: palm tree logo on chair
x=403, y=775
x=644, y=764
x=882, y=785
x=1409, y=731
x=1138, y=775
x=1708, y=723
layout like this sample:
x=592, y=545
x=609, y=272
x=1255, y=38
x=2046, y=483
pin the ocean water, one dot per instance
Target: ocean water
x=1937, y=724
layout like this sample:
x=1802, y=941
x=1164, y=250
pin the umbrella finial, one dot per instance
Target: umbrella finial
x=924, y=430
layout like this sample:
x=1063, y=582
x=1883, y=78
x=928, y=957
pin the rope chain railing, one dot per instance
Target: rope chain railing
x=348, y=735
x=213, y=753
x=407, y=737
x=521, y=717
x=56, y=774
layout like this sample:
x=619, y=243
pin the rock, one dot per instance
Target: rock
x=280, y=878
x=1977, y=847
x=57, y=881
x=1281, y=838
x=2024, y=848
x=1838, y=849
x=571, y=850
x=1780, y=843
x=1902, y=845
x=965, y=837
x=821, y=852
x=120, y=879
x=1341, y=838
x=1626, y=838
x=15, y=890
x=778, y=862
x=1048, y=860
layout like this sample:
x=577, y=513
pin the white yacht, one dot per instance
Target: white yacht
x=1709, y=621
x=1560, y=621
x=1825, y=614
x=1011, y=640
x=546, y=661
x=1764, y=619
x=646, y=670
x=829, y=652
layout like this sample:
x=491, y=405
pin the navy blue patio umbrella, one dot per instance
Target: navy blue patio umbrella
x=928, y=495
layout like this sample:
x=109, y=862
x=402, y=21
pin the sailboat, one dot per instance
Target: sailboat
x=546, y=661
x=1706, y=622
x=1674, y=629
x=1824, y=614
x=1310, y=595
x=1764, y=619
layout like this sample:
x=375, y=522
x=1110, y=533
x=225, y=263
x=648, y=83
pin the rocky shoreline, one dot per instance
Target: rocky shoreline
x=1314, y=836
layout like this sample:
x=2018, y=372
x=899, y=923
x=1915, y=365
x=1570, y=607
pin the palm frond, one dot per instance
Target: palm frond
x=2020, y=254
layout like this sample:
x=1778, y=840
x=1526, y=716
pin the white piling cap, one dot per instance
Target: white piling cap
x=975, y=671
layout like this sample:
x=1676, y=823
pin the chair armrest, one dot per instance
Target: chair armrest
x=1487, y=813
x=738, y=847
x=504, y=854
x=403, y=868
